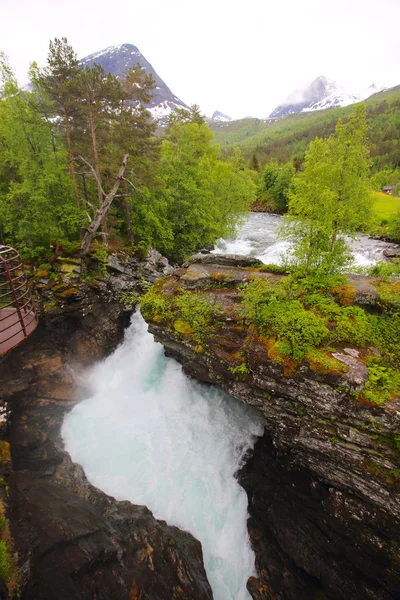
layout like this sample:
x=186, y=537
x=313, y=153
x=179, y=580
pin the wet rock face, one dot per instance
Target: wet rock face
x=324, y=481
x=73, y=541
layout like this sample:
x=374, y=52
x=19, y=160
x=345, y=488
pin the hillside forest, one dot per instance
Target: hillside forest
x=83, y=164
x=80, y=153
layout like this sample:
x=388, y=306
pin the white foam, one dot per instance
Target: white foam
x=153, y=436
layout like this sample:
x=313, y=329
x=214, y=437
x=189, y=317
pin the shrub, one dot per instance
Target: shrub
x=352, y=326
x=271, y=308
x=197, y=311
x=156, y=306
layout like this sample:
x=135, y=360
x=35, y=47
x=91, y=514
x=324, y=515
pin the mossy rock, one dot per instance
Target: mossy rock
x=182, y=327
x=70, y=293
x=5, y=456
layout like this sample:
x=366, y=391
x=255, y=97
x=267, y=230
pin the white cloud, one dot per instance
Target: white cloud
x=240, y=58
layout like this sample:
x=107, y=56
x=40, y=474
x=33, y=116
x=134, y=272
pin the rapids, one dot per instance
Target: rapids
x=258, y=238
x=154, y=436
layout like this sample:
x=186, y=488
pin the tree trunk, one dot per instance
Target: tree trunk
x=128, y=219
x=96, y=156
x=101, y=212
x=70, y=158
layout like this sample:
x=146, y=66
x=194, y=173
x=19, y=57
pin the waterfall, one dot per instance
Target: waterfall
x=154, y=436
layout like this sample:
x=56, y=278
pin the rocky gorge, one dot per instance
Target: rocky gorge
x=323, y=483
x=71, y=540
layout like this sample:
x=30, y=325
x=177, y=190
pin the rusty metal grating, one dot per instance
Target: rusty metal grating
x=18, y=317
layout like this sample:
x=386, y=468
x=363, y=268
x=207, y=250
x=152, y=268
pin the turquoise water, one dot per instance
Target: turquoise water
x=154, y=436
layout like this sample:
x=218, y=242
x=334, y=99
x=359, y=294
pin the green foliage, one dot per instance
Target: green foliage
x=36, y=197
x=395, y=228
x=331, y=199
x=156, y=306
x=277, y=183
x=241, y=369
x=277, y=314
x=383, y=382
x=203, y=198
x=191, y=313
x=101, y=255
x=8, y=563
x=385, y=269
x=129, y=298
x=304, y=322
x=352, y=326
x=198, y=311
x=271, y=268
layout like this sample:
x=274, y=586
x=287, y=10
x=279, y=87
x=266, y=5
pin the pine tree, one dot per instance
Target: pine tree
x=254, y=164
x=98, y=96
x=135, y=134
x=59, y=81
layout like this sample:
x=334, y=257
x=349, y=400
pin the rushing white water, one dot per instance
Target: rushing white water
x=152, y=435
x=258, y=238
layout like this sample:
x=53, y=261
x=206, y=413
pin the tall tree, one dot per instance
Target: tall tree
x=98, y=95
x=331, y=198
x=59, y=80
x=36, y=200
x=205, y=197
x=135, y=134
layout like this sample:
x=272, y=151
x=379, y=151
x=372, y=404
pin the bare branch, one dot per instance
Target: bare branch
x=93, y=172
x=101, y=212
x=131, y=184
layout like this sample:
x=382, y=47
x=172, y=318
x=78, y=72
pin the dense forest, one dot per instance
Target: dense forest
x=80, y=160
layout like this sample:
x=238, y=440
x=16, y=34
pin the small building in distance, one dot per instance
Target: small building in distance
x=388, y=189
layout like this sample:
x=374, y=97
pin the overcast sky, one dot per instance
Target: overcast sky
x=240, y=57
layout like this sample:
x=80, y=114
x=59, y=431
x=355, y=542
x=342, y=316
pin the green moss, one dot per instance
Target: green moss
x=352, y=326
x=8, y=563
x=242, y=369
x=129, y=298
x=5, y=456
x=49, y=306
x=271, y=268
x=272, y=309
x=70, y=292
x=322, y=363
x=182, y=327
x=156, y=305
x=101, y=255
x=198, y=311
x=345, y=294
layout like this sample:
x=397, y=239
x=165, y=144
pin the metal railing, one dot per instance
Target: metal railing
x=18, y=317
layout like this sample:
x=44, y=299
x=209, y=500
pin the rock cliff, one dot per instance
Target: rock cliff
x=323, y=483
x=72, y=540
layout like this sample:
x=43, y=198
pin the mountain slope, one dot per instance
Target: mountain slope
x=320, y=94
x=118, y=59
x=290, y=136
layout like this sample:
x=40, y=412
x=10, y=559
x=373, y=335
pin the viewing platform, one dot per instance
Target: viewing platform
x=18, y=317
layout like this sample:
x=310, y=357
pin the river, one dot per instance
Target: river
x=152, y=435
x=258, y=238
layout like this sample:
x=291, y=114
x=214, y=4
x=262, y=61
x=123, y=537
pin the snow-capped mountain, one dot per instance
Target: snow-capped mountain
x=118, y=59
x=322, y=93
x=219, y=116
